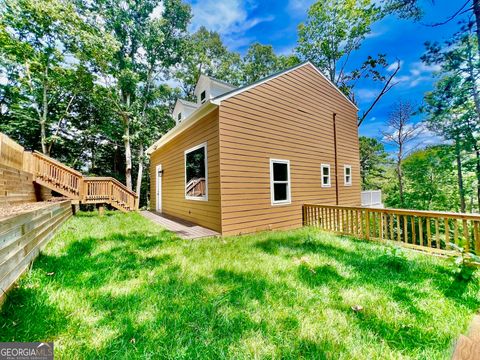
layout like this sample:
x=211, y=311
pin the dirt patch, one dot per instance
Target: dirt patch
x=10, y=210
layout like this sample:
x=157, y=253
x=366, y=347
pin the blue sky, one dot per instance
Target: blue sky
x=274, y=22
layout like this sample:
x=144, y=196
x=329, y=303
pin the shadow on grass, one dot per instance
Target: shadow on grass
x=371, y=271
x=163, y=314
x=320, y=275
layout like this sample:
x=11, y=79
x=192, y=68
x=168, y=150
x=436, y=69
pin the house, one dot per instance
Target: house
x=246, y=159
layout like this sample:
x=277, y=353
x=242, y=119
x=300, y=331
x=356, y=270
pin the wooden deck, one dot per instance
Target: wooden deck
x=184, y=229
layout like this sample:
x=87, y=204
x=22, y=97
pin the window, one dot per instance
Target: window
x=203, y=96
x=280, y=181
x=325, y=171
x=347, y=175
x=196, y=173
x=179, y=116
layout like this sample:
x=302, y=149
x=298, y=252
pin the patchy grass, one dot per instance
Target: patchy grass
x=123, y=288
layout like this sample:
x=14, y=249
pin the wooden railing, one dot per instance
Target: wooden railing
x=88, y=190
x=111, y=191
x=55, y=175
x=433, y=231
x=196, y=187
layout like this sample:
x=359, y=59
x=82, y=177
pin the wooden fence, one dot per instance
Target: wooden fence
x=11, y=153
x=23, y=236
x=424, y=230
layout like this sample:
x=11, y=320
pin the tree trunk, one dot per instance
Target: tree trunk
x=400, y=182
x=477, y=171
x=140, y=171
x=43, y=120
x=128, y=154
x=461, y=190
x=476, y=11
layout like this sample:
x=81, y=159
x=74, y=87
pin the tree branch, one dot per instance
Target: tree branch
x=458, y=12
x=386, y=88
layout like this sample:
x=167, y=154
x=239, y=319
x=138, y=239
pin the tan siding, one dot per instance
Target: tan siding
x=291, y=118
x=171, y=156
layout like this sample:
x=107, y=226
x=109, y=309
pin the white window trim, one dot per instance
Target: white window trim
x=347, y=183
x=204, y=100
x=329, y=184
x=196, y=198
x=272, y=195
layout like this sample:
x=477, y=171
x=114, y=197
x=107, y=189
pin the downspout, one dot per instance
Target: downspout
x=336, y=162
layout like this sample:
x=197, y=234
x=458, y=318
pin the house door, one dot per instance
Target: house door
x=159, y=173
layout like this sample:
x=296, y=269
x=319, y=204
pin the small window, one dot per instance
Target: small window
x=203, y=96
x=280, y=181
x=179, y=116
x=325, y=172
x=347, y=174
x=196, y=180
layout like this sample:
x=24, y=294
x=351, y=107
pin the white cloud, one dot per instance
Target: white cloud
x=366, y=94
x=418, y=72
x=299, y=7
x=393, y=66
x=230, y=18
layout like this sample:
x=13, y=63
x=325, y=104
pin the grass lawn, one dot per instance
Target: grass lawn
x=121, y=287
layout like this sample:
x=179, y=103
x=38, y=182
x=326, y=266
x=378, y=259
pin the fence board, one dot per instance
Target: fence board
x=398, y=225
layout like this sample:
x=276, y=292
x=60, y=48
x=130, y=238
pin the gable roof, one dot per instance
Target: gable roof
x=212, y=104
x=241, y=89
x=203, y=78
x=188, y=103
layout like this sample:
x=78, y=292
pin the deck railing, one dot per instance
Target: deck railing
x=51, y=173
x=111, y=191
x=196, y=187
x=63, y=179
x=426, y=230
x=87, y=190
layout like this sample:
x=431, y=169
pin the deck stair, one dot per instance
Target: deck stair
x=86, y=190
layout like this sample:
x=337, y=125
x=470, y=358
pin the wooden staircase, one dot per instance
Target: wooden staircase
x=86, y=190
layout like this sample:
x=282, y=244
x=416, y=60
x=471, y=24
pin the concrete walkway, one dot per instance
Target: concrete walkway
x=182, y=228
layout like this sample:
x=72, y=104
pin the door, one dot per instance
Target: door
x=159, y=174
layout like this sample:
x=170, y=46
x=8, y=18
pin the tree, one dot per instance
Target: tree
x=429, y=176
x=261, y=61
x=150, y=46
x=373, y=163
x=402, y=131
x=48, y=46
x=454, y=105
x=334, y=30
x=205, y=53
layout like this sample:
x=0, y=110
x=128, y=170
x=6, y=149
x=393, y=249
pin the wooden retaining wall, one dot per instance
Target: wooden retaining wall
x=23, y=236
x=16, y=186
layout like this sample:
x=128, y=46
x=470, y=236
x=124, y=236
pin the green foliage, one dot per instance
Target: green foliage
x=430, y=179
x=47, y=50
x=464, y=265
x=333, y=32
x=394, y=258
x=374, y=161
x=261, y=61
x=205, y=53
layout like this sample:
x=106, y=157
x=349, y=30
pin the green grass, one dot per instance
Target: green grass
x=123, y=288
